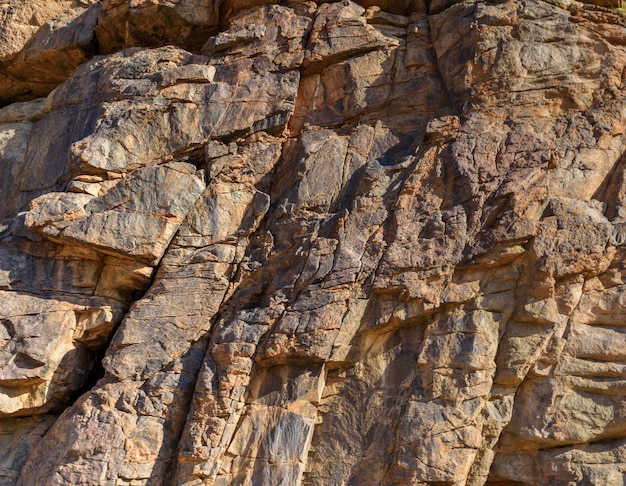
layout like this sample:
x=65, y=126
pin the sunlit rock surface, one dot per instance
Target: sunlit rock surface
x=317, y=244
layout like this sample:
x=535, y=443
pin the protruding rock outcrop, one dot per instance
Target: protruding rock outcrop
x=373, y=243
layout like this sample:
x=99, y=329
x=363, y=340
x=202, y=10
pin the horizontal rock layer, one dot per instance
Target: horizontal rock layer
x=371, y=243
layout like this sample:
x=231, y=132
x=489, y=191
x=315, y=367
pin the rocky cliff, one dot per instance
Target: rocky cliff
x=317, y=244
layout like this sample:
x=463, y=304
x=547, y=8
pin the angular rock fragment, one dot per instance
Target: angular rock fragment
x=120, y=223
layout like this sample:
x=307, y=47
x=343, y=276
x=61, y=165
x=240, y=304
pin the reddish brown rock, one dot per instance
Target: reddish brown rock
x=41, y=43
x=313, y=244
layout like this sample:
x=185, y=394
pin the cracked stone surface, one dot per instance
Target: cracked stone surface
x=379, y=242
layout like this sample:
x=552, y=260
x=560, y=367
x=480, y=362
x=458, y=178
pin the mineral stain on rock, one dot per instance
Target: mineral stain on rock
x=312, y=244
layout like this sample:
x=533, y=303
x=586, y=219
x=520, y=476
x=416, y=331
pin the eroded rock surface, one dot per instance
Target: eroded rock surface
x=371, y=243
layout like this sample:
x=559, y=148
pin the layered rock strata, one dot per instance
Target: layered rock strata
x=374, y=243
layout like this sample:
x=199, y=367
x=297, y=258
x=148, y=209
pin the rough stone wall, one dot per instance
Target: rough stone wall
x=317, y=244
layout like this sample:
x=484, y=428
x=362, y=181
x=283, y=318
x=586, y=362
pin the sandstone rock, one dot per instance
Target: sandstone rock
x=147, y=223
x=42, y=43
x=18, y=438
x=129, y=23
x=48, y=349
x=313, y=244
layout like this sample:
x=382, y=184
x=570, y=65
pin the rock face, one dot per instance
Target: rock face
x=316, y=244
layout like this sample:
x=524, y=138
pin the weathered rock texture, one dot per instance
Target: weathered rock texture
x=375, y=243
